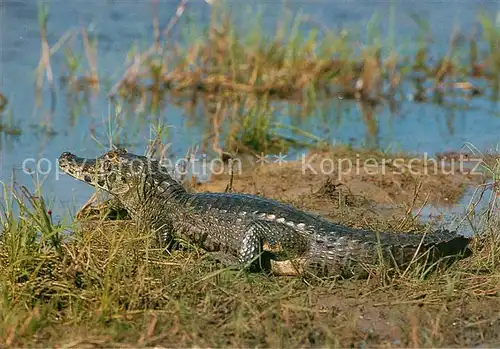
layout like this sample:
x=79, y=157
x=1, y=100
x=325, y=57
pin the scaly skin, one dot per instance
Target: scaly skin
x=249, y=230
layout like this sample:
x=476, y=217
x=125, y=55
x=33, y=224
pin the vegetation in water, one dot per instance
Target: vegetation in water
x=226, y=74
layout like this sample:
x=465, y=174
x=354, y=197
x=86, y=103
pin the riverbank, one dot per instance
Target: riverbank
x=108, y=286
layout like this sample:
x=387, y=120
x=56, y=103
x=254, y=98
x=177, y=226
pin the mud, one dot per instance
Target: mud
x=360, y=188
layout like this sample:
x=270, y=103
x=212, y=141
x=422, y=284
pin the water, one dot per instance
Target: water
x=120, y=24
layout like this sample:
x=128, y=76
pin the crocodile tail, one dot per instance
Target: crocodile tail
x=457, y=246
x=443, y=246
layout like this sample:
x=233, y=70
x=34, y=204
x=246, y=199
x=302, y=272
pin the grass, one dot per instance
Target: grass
x=102, y=284
x=9, y=126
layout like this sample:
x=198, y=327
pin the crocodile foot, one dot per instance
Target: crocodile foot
x=228, y=261
x=231, y=262
x=108, y=209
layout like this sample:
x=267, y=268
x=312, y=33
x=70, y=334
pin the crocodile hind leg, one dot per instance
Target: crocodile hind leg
x=264, y=246
x=251, y=248
x=248, y=253
x=264, y=243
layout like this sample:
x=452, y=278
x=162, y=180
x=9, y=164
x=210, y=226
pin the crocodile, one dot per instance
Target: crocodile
x=250, y=231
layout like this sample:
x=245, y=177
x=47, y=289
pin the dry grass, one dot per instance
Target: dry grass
x=107, y=285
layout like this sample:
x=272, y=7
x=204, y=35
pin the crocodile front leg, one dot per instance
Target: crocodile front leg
x=115, y=209
x=110, y=208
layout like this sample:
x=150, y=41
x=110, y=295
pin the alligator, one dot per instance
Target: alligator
x=250, y=231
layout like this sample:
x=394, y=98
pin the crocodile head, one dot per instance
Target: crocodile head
x=127, y=176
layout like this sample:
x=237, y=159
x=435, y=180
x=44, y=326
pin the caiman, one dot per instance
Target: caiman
x=251, y=231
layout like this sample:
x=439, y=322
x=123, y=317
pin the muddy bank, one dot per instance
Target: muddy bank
x=453, y=308
x=353, y=186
